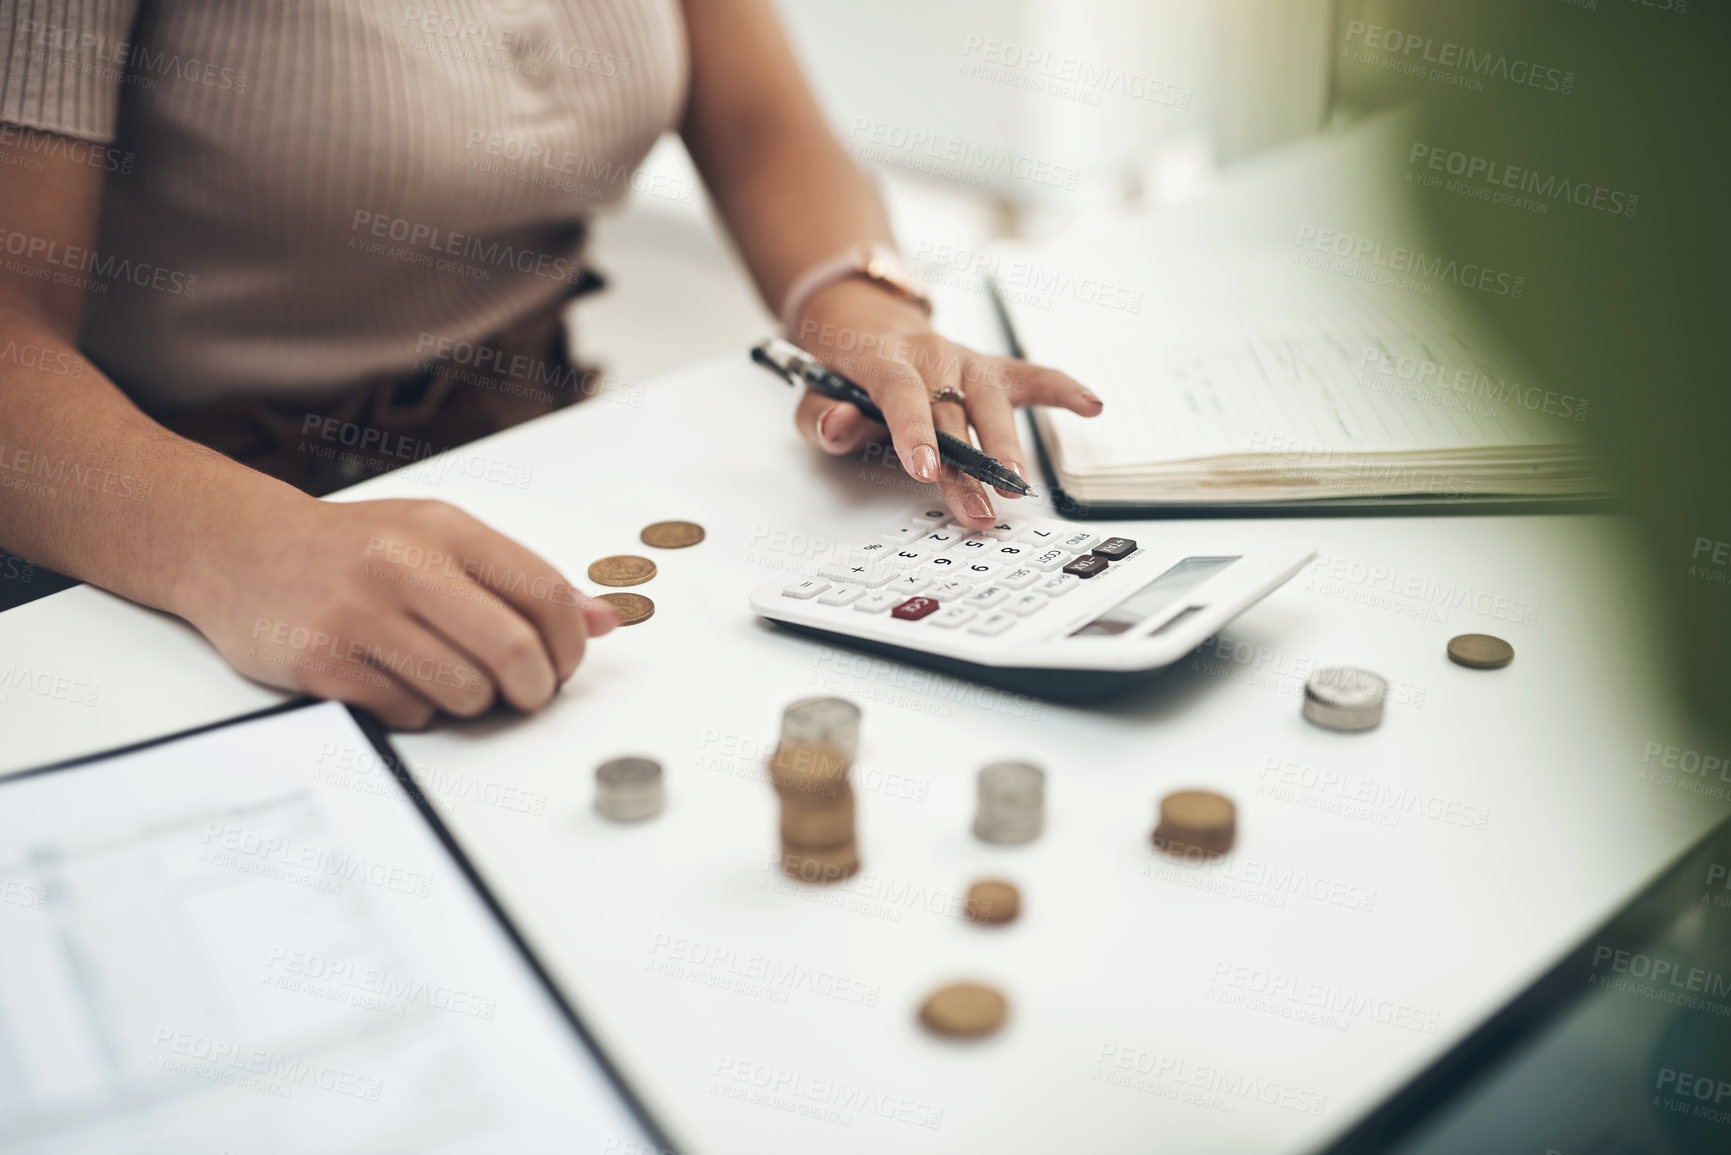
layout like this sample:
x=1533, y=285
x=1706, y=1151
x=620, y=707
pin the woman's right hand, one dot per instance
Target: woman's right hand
x=404, y=608
x=401, y=607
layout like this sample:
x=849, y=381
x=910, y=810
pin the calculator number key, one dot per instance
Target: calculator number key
x=942, y=566
x=1041, y=535
x=981, y=570
x=914, y=609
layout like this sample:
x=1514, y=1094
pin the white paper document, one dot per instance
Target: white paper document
x=250, y=941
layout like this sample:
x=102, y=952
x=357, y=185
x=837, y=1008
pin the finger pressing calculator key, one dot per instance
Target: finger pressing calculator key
x=1035, y=605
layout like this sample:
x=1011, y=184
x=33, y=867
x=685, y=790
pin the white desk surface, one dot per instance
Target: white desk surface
x=738, y=1005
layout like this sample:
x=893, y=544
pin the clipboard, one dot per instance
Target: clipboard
x=334, y=873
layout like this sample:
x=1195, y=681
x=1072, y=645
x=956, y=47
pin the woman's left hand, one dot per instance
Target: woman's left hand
x=887, y=346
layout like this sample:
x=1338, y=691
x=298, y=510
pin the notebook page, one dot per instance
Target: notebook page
x=1257, y=355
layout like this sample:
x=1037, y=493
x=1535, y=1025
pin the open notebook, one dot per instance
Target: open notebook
x=1243, y=361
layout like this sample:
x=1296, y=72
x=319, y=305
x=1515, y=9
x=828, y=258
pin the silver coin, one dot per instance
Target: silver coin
x=1012, y=784
x=628, y=789
x=832, y=722
x=1012, y=803
x=1343, y=698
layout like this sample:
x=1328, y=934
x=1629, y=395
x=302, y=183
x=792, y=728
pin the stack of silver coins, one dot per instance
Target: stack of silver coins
x=1342, y=698
x=1012, y=804
x=829, y=722
x=628, y=789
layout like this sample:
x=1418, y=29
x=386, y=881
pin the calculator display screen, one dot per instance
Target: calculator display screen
x=1155, y=596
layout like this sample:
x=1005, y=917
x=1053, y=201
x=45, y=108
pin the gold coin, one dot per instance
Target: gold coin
x=820, y=866
x=1480, y=652
x=964, y=1010
x=814, y=823
x=622, y=570
x=993, y=902
x=809, y=771
x=671, y=534
x=633, y=608
x=1196, y=822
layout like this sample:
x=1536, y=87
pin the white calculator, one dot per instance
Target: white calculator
x=1035, y=605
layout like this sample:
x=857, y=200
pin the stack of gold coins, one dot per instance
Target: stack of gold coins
x=809, y=770
x=1196, y=823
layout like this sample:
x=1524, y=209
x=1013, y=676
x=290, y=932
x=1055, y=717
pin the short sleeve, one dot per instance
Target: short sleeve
x=63, y=64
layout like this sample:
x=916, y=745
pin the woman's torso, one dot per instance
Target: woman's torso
x=322, y=190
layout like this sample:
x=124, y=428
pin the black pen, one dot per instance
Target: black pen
x=796, y=366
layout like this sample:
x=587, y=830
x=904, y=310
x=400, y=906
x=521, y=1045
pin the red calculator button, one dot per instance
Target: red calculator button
x=914, y=609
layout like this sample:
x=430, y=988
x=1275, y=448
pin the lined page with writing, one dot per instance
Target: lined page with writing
x=1255, y=356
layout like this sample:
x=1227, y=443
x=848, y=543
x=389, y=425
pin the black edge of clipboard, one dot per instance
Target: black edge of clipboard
x=1419, y=504
x=376, y=734
x=1477, y=1056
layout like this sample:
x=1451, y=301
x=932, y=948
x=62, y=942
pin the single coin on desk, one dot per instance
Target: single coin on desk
x=633, y=608
x=964, y=1011
x=671, y=534
x=622, y=570
x=1480, y=651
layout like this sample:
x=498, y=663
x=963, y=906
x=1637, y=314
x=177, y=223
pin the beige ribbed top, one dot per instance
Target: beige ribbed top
x=303, y=193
